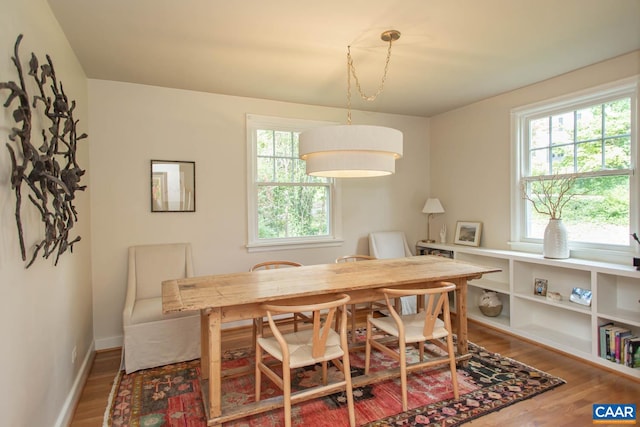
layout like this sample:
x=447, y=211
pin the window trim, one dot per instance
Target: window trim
x=253, y=123
x=573, y=101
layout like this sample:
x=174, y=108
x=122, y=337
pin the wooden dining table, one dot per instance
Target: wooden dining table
x=231, y=297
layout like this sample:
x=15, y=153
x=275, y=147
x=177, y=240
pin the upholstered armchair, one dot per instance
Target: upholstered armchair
x=392, y=244
x=388, y=244
x=152, y=338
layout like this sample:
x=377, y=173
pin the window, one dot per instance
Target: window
x=287, y=207
x=591, y=136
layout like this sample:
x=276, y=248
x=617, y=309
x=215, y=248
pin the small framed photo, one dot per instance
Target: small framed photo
x=581, y=296
x=468, y=233
x=540, y=287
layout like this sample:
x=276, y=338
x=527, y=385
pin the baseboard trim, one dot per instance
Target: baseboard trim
x=71, y=402
x=109, y=343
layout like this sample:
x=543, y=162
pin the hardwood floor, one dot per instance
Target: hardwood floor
x=567, y=405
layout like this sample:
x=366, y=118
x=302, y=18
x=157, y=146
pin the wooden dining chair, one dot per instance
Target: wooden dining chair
x=354, y=309
x=317, y=345
x=418, y=328
x=258, y=323
x=268, y=265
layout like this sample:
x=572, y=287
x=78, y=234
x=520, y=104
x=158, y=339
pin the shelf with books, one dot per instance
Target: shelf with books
x=619, y=343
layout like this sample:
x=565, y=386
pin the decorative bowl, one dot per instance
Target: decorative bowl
x=491, y=311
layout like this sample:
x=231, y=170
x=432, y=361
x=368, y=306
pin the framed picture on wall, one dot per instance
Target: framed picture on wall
x=173, y=186
x=468, y=233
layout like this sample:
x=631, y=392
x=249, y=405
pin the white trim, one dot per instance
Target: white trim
x=290, y=244
x=111, y=342
x=576, y=252
x=576, y=100
x=334, y=238
x=68, y=408
x=584, y=97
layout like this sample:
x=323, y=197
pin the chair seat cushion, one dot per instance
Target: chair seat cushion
x=150, y=310
x=413, y=327
x=300, y=346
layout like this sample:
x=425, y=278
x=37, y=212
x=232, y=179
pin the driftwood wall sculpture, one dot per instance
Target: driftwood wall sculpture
x=51, y=186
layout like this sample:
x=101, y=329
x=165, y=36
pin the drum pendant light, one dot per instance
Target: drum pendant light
x=353, y=151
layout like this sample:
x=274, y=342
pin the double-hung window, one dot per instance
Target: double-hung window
x=287, y=207
x=592, y=137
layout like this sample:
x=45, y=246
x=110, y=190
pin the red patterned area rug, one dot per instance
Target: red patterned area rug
x=171, y=396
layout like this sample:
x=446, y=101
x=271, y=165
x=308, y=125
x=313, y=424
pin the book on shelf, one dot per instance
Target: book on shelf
x=614, y=342
x=609, y=341
x=621, y=335
x=625, y=355
x=624, y=348
x=619, y=345
x=633, y=352
x=603, y=340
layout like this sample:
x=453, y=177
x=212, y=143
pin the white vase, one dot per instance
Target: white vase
x=555, y=240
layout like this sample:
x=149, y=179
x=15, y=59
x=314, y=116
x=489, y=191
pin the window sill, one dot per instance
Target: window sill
x=292, y=244
x=591, y=254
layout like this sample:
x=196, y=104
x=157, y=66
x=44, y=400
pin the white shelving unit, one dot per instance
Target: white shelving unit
x=564, y=325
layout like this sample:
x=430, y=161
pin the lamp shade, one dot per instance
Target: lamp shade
x=350, y=151
x=432, y=206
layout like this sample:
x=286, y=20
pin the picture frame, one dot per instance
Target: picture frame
x=540, y=287
x=173, y=186
x=468, y=233
x=581, y=296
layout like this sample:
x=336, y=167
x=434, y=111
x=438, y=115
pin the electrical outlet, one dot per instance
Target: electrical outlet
x=74, y=355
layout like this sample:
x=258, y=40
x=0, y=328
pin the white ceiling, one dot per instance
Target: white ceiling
x=451, y=52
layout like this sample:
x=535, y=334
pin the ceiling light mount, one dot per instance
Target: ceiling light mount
x=390, y=35
x=353, y=151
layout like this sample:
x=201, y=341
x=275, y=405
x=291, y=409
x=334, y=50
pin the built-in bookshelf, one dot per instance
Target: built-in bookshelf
x=568, y=326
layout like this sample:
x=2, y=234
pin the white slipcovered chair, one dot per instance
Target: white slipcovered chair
x=152, y=338
x=392, y=244
x=388, y=244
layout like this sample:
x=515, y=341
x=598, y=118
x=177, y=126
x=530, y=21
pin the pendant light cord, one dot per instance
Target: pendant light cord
x=351, y=71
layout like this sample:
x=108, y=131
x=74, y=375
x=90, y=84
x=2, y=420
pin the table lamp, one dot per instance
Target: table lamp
x=431, y=207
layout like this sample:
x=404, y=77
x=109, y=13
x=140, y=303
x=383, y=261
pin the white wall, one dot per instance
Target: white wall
x=44, y=311
x=131, y=124
x=471, y=149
